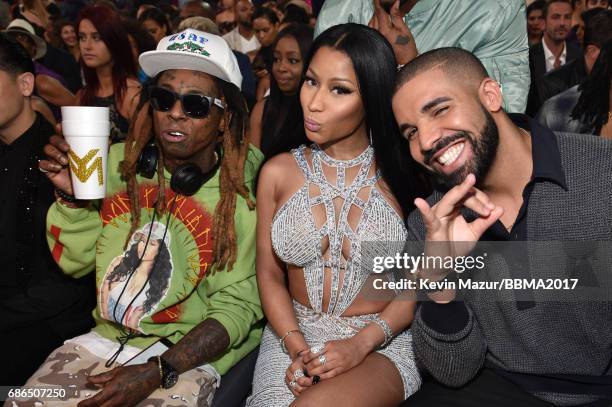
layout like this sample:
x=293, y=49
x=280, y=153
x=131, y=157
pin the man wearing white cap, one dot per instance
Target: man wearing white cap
x=175, y=267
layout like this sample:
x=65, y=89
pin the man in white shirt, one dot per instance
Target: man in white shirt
x=553, y=51
x=242, y=38
x=557, y=21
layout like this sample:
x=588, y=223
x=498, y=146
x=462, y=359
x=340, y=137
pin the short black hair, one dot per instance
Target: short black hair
x=295, y=14
x=597, y=27
x=14, y=58
x=454, y=62
x=266, y=13
x=536, y=5
x=549, y=2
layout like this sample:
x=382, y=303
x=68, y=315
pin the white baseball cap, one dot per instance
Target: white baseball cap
x=19, y=25
x=194, y=50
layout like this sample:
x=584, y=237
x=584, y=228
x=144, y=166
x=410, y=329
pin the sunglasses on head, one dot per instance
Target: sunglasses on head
x=194, y=105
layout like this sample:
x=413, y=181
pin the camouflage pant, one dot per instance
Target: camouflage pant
x=69, y=365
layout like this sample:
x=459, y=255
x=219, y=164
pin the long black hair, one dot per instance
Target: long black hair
x=283, y=120
x=160, y=274
x=594, y=103
x=375, y=67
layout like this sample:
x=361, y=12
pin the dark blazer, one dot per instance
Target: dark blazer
x=563, y=78
x=537, y=65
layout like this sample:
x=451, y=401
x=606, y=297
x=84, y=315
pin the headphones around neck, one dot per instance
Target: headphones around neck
x=186, y=179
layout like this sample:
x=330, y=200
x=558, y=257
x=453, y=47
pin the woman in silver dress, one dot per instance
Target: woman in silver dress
x=325, y=344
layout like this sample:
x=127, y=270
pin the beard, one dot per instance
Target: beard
x=246, y=22
x=483, y=148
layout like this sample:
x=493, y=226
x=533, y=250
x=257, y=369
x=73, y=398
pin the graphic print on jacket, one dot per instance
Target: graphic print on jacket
x=145, y=281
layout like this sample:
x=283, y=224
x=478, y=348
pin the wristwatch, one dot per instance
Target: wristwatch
x=169, y=375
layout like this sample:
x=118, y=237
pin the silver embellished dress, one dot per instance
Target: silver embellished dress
x=297, y=240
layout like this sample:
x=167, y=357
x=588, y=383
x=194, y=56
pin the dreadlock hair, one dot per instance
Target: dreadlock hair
x=594, y=103
x=231, y=178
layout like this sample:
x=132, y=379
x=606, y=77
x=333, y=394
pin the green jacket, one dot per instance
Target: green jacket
x=494, y=30
x=175, y=254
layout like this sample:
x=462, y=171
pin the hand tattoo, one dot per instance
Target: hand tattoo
x=402, y=40
x=203, y=343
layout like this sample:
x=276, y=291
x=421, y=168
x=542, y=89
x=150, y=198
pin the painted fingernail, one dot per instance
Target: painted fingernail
x=316, y=379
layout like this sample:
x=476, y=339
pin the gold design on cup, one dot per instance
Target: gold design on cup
x=79, y=167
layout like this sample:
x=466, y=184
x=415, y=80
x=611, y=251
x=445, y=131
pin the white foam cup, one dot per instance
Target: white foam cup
x=85, y=114
x=88, y=156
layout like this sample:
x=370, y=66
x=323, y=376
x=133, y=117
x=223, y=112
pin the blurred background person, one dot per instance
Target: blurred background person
x=266, y=25
x=248, y=77
x=277, y=121
x=294, y=14
x=49, y=85
x=65, y=37
x=140, y=41
x=242, y=38
x=273, y=5
x=591, y=4
x=156, y=23
x=35, y=12
x=194, y=8
x=226, y=21
x=598, y=30
x=578, y=6
x=553, y=51
x=108, y=67
x=4, y=14
x=199, y=23
x=535, y=21
x=584, y=108
x=142, y=8
x=40, y=307
x=493, y=30
x=226, y=5
x=577, y=31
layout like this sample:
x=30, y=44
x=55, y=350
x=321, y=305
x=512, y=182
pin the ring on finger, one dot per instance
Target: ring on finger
x=293, y=384
x=322, y=359
x=42, y=170
x=298, y=373
x=316, y=349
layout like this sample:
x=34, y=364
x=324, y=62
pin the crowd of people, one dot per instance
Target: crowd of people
x=257, y=148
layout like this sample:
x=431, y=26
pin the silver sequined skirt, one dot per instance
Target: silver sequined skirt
x=269, y=388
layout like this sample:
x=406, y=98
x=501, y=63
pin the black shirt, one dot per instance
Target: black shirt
x=32, y=287
x=546, y=168
x=452, y=317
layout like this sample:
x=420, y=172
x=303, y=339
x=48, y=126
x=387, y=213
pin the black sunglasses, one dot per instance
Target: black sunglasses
x=195, y=105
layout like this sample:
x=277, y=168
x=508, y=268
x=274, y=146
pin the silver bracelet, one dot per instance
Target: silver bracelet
x=282, y=341
x=386, y=330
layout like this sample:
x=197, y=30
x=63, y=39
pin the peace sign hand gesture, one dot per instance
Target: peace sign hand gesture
x=445, y=224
